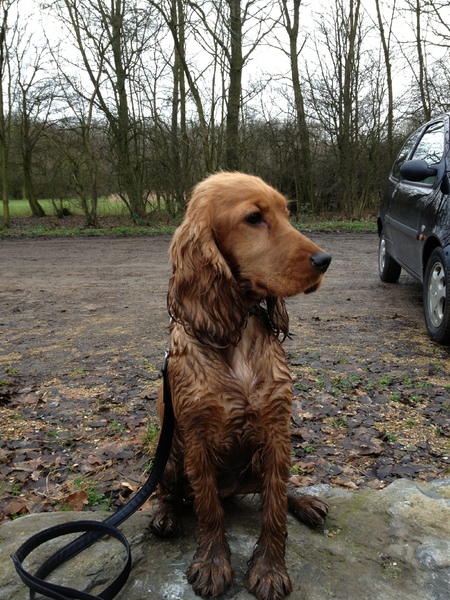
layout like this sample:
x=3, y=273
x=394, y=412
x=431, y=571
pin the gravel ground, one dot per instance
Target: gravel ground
x=83, y=329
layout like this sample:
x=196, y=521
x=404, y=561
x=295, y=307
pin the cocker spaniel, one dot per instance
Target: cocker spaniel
x=235, y=257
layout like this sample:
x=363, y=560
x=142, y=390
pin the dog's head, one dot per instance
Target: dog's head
x=236, y=248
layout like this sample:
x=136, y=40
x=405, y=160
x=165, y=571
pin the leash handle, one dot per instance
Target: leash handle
x=95, y=530
x=52, y=590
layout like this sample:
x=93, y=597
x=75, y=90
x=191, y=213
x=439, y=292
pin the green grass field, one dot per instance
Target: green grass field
x=106, y=207
x=335, y=225
x=114, y=219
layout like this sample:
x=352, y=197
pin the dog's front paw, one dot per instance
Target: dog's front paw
x=308, y=509
x=164, y=523
x=210, y=572
x=268, y=581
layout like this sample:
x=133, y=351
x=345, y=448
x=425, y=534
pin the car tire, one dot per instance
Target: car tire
x=388, y=269
x=436, y=297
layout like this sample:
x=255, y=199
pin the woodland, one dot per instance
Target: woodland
x=137, y=100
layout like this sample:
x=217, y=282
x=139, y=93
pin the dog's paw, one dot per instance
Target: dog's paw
x=267, y=581
x=308, y=509
x=165, y=523
x=210, y=572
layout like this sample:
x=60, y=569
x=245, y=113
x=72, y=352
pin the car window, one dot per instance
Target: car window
x=431, y=147
x=404, y=153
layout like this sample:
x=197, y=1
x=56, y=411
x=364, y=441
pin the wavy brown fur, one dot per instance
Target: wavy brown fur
x=231, y=386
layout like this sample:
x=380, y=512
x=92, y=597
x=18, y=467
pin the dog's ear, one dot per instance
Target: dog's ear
x=278, y=316
x=203, y=294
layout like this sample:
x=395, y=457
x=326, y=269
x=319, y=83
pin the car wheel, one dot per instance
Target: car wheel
x=388, y=269
x=436, y=297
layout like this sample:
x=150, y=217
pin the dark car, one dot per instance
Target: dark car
x=414, y=221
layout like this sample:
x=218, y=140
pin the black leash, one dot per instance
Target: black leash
x=95, y=530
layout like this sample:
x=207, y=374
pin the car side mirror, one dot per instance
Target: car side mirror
x=417, y=170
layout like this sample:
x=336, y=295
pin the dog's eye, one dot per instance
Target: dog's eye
x=254, y=218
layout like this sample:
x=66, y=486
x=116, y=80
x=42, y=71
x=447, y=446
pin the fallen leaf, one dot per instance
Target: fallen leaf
x=77, y=500
x=16, y=507
x=133, y=488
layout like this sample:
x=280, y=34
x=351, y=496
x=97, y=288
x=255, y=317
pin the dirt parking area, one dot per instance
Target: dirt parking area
x=83, y=329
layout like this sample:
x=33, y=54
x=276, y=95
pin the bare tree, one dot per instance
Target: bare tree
x=5, y=103
x=386, y=30
x=176, y=19
x=228, y=31
x=424, y=90
x=415, y=50
x=303, y=167
x=236, y=64
x=343, y=87
x=159, y=89
x=34, y=105
x=82, y=153
x=178, y=132
x=110, y=38
x=436, y=14
x=244, y=25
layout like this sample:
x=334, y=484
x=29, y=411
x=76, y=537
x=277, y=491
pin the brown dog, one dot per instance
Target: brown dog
x=234, y=257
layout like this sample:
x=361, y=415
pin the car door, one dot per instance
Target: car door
x=409, y=198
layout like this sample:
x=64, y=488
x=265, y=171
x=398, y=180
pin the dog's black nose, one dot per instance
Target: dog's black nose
x=321, y=261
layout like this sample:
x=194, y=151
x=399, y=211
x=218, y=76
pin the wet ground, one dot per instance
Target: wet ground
x=83, y=329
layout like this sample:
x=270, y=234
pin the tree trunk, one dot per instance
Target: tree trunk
x=303, y=167
x=105, y=25
x=348, y=117
x=4, y=175
x=27, y=155
x=3, y=132
x=179, y=48
x=423, y=84
x=28, y=187
x=130, y=183
x=232, y=153
x=178, y=120
x=389, y=83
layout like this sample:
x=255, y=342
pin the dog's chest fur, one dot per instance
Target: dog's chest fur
x=248, y=391
x=256, y=368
